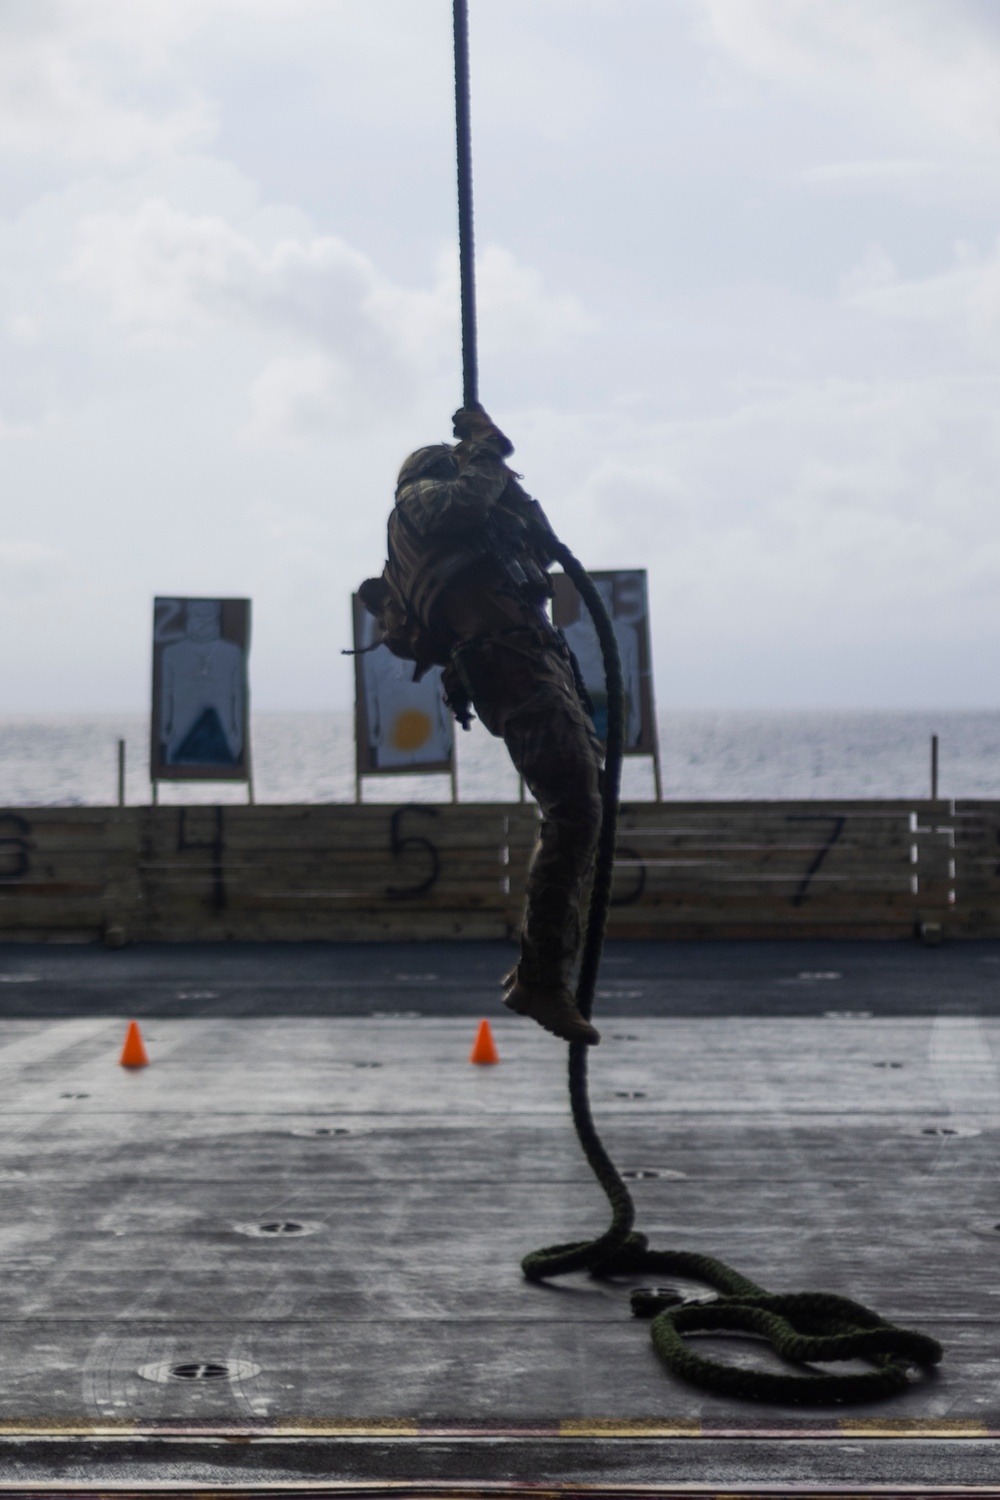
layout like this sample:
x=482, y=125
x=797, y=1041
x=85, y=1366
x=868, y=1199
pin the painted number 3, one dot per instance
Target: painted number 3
x=14, y=847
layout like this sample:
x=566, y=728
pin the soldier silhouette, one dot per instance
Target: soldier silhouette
x=465, y=587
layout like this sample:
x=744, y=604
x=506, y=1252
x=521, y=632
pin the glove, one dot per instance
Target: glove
x=373, y=594
x=469, y=421
x=472, y=425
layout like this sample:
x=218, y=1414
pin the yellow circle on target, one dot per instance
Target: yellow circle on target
x=411, y=729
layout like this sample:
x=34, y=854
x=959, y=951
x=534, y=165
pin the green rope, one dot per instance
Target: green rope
x=807, y=1327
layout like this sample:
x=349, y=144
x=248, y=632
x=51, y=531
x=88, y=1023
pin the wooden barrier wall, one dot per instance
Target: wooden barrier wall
x=684, y=870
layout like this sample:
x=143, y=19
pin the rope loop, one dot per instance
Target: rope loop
x=804, y=1328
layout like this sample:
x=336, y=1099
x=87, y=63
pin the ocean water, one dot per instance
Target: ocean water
x=71, y=759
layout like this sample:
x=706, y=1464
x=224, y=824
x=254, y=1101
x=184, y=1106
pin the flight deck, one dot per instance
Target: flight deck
x=287, y=1251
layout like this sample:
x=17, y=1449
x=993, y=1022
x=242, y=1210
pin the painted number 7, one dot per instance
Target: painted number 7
x=838, y=823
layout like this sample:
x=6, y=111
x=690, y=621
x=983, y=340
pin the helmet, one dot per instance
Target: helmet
x=438, y=461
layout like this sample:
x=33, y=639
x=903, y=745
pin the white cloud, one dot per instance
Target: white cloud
x=69, y=67
x=231, y=353
x=109, y=82
x=171, y=278
x=298, y=398
x=23, y=328
x=159, y=271
x=57, y=98
x=516, y=311
x=875, y=174
x=874, y=272
x=27, y=567
x=149, y=32
x=23, y=553
x=348, y=338
x=913, y=179
x=965, y=298
x=825, y=510
x=932, y=58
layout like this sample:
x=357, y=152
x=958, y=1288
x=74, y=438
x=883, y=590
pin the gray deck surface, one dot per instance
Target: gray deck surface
x=788, y=1110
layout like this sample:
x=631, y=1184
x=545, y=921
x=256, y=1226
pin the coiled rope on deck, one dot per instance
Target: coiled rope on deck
x=803, y=1328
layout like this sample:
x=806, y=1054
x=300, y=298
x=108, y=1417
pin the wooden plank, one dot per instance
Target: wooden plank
x=403, y=875
x=343, y=853
x=684, y=929
x=745, y=906
x=975, y=922
x=69, y=817
x=875, y=807
x=314, y=907
x=322, y=821
x=822, y=835
x=76, y=827
x=976, y=913
x=791, y=888
x=719, y=812
x=408, y=869
x=353, y=927
x=776, y=866
x=710, y=867
x=748, y=850
x=323, y=858
x=95, y=870
x=53, y=912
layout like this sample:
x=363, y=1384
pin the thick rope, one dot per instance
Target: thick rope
x=807, y=1328
x=466, y=240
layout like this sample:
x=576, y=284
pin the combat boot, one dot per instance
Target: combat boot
x=553, y=1008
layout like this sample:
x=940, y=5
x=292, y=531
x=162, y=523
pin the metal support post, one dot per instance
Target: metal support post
x=934, y=767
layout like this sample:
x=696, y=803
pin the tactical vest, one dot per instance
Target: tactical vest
x=420, y=569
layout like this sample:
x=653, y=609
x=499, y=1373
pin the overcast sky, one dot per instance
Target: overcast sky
x=739, y=310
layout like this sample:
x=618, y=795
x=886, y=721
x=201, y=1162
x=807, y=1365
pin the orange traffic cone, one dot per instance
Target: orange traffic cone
x=134, y=1050
x=484, y=1048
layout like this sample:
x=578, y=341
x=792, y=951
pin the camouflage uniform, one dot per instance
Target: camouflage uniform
x=465, y=587
x=523, y=690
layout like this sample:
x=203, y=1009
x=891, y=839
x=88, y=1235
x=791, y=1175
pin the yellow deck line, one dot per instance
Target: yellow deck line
x=66, y=1427
x=616, y=1427
x=345, y=1427
x=902, y=1427
x=570, y=1427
